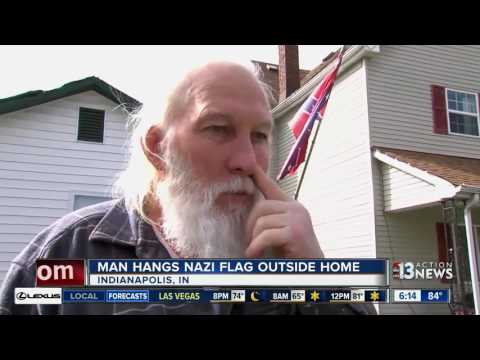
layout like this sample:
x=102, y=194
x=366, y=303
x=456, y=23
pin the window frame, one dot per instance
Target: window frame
x=86, y=193
x=477, y=114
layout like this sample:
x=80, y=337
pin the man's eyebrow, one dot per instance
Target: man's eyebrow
x=214, y=115
x=210, y=115
x=266, y=124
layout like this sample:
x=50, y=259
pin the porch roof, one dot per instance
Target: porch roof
x=456, y=170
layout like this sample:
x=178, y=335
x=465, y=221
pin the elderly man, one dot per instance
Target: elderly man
x=196, y=186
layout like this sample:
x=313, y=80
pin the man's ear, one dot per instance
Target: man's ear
x=152, y=149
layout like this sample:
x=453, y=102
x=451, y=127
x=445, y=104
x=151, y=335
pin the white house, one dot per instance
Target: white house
x=59, y=150
x=395, y=169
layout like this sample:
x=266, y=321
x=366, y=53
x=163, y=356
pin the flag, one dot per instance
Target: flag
x=302, y=123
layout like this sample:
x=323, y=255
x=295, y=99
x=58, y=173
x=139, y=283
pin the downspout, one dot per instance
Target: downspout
x=454, y=256
x=475, y=200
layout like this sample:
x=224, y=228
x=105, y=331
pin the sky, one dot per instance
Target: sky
x=145, y=72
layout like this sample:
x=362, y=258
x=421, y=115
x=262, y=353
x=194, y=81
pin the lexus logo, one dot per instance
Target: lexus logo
x=38, y=296
x=23, y=296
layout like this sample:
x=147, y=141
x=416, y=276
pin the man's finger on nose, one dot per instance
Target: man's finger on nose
x=267, y=186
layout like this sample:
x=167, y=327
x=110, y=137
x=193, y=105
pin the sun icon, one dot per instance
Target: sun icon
x=315, y=295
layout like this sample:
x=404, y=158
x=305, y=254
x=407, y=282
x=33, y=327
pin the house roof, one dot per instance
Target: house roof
x=454, y=169
x=269, y=75
x=37, y=97
x=325, y=61
x=352, y=55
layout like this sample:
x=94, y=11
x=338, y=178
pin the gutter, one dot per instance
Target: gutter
x=352, y=56
x=472, y=250
x=468, y=190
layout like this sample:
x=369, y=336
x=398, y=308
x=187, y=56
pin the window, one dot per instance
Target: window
x=463, y=114
x=91, y=123
x=81, y=201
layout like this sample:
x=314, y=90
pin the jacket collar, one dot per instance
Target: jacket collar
x=124, y=227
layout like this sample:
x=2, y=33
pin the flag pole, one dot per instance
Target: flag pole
x=297, y=192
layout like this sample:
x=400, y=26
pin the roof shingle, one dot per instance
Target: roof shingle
x=37, y=97
x=454, y=169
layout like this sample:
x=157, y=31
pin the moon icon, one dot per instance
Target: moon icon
x=253, y=295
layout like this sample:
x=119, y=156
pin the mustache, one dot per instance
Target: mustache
x=237, y=184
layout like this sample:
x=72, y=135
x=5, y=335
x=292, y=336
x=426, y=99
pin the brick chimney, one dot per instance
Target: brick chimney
x=288, y=71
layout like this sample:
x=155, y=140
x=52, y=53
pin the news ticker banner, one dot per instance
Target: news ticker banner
x=46, y=295
x=214, y=272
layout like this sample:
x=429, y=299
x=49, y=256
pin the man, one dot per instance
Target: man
x=196, y=186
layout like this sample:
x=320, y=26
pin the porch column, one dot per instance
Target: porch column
x=472, y=251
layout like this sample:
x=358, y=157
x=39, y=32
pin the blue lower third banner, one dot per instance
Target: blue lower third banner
x=142, y=273
x=203, y=295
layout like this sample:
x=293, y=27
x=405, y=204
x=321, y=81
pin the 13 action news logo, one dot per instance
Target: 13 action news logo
x=422, y=270
x=32, y=296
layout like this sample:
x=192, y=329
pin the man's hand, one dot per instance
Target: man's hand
x=280, y=223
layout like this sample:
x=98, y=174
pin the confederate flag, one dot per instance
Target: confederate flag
x=303, y=121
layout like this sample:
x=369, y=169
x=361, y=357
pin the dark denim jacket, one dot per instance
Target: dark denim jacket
x=108, y=231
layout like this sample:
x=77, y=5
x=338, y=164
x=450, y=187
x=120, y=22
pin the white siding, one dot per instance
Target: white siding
x=42, y=166
x=399, y=95
x=402, y=190
x=337, y=188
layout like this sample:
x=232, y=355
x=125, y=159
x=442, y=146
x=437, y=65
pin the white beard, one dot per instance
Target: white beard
x=191, y=223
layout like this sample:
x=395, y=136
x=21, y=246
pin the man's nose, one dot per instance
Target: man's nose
x=243, y=158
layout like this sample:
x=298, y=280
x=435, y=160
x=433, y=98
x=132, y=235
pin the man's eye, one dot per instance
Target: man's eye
x=259, y=136
x=217, y=129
